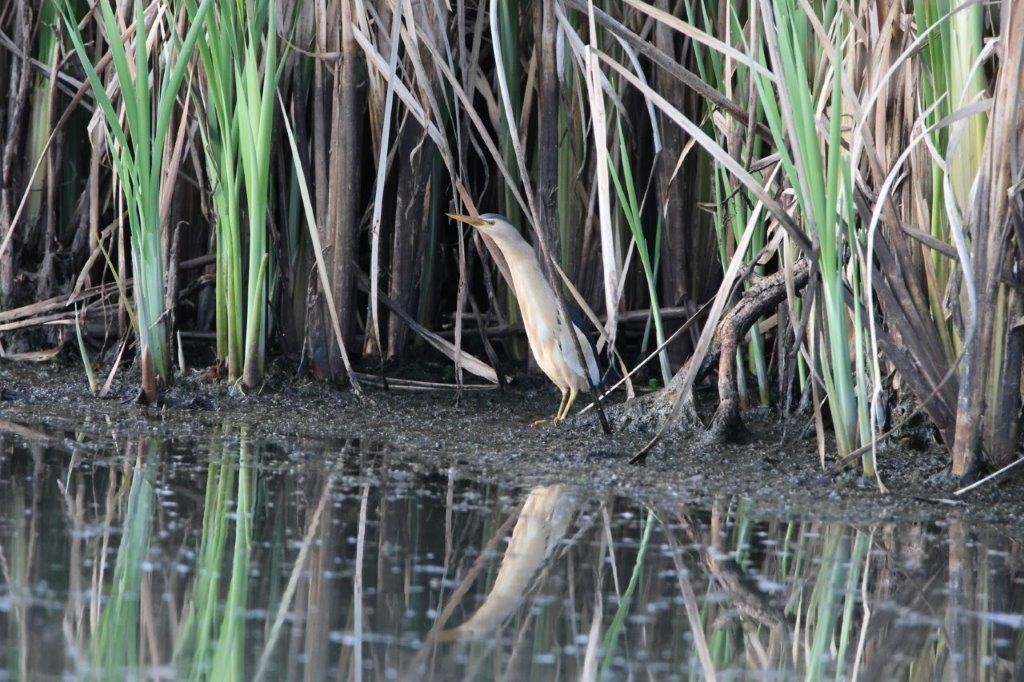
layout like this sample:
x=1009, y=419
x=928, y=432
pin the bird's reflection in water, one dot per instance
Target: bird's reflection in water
x=542, y=523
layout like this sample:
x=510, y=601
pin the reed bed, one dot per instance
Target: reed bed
x=839, y=182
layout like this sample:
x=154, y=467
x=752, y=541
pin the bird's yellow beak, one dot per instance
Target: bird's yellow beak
x=469, y=220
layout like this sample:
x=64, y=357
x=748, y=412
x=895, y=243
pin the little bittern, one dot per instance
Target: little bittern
x=546, y=331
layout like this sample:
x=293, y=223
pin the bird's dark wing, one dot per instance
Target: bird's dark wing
x=581, y=322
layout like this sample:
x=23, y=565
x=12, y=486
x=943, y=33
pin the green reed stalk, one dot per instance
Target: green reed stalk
x=90, y=374
x=508, y=27
x=720, y=642
x=625, y=189
x=825, y=600
x=219, y=54
x=743, y=529
x=255, y=111
x=137, y=151
x=611, y=637
x=785, y=551
x=192, y=646
x=861, y=545
x=240, y=61
x=229, y=655
x=210, y=642
x=39, y=116
x=949, y=81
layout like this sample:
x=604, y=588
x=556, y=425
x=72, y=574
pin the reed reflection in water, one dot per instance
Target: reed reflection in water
x=226, y=557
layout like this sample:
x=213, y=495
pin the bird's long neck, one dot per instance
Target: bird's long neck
x=515, y=249
x=528, y=278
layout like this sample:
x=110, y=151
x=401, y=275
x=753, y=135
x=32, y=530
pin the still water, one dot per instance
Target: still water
x=222, y=556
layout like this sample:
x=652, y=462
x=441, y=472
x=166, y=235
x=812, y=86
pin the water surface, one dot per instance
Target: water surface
x=222, y=556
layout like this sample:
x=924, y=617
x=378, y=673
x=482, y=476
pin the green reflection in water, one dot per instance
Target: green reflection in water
x=611, y=637
x=116, y=643
x=212, y=636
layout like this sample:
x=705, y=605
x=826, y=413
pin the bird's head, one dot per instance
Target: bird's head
x=491, y=224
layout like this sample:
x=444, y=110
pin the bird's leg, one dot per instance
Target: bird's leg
x=569, y=402
x=560, y=415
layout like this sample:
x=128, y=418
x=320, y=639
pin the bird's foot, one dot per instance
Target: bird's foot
x=545, y=421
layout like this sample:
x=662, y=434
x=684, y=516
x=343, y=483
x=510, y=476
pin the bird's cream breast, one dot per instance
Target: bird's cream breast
x=540, y=319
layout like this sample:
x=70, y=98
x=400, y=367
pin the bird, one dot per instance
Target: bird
x=547, y=333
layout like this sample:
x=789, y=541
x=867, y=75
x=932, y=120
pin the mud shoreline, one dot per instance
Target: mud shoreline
x=488, y=434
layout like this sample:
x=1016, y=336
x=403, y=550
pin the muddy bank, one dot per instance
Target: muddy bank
x=488, y=433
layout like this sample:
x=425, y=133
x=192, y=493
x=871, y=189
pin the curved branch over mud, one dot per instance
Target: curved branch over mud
x=756, y=302
x=764, y=294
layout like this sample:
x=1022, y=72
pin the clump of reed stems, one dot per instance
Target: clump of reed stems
x=240, y=64
x=137, y=150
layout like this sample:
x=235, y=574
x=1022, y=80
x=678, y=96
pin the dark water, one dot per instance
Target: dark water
x=219, y=556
